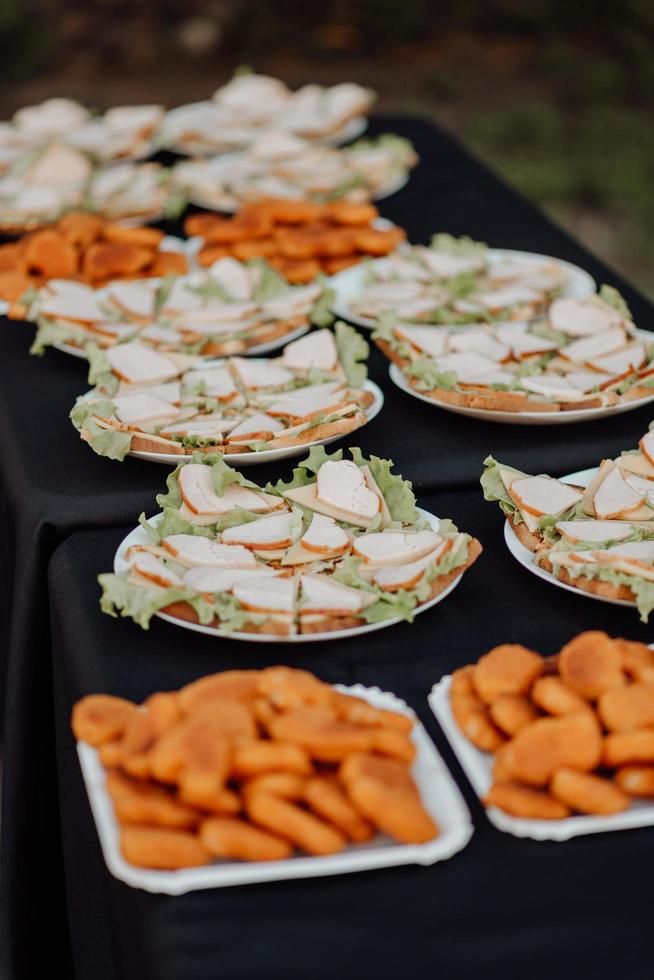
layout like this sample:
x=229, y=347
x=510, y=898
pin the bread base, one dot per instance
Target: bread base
x=593, y=585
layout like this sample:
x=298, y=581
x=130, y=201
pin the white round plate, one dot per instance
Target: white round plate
x=351, y=131
x=520, y=418
x=349, y=283
x=140, y=536
x=268, y=455
x=526, y=557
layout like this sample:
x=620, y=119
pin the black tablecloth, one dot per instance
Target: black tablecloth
x=51, y=485
x=502, y=907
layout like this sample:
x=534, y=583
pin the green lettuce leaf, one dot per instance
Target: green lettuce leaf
x=397, y=491
x=463, y=246
x=101, y=374
x=642, y=589
x=321, y=315
x=352, y=349
x=429, y=376
x=141, y=603
x=85, y=407
x=611, y=296
x=51, y=332
x=494, y=489
x=107, y=442
x=271, y=283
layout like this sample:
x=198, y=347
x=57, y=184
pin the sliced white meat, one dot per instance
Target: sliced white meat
x=207, y=427
x=191, y=550
x=295, y=302
x=579, y=318
x=215, y=382
x=134, y=298
x=638, y=550
x=153, y=569
x=217, y=312
x=50, y=118
x=258, y=425
x=264, y=594
x=480, y=341
x=137, y=364
x=528, y=344
x=614, y=498
x=342, y=485
x=181, y=298
x=159, y=335
x=642, y=485
x=466, y=365
x=315, y=350
x=59, y=166
x=628, y=359
x=305, y=408
x=196, y=488
x=587, y=380
x=255, y=374
x=487, y=378
x=393, y=291
x=508, y=296
x=142, y=409
x=391, y=578
x=578, y=531
x=216, y=580
x=442, y=265
x=395, y=547
x=321, y=594
x=541, y=495
x=325, y=388
x=646, y=445
x=636, y=463
x=267, y=533
x=169, y=391
x=76, y=306
x=590, y=348
x=324, y=536
x=429, y=340
x=233, y=277
x=553, y=386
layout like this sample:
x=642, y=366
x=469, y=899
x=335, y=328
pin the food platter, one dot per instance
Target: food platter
x=438, y=790
x=139, y=536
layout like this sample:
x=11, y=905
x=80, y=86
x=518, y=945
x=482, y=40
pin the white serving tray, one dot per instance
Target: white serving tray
x=477, y=766
x=398, y=377
x=349, y=283
x=140, y=536
x=440, y=796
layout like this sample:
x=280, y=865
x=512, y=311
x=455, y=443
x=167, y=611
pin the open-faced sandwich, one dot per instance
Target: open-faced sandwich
x=585, y=354
x=340, y=545
x=279, y=164
x=599, y=537
x=300, y=239
x=147, y=401
x=230, y=308
x=250, y=104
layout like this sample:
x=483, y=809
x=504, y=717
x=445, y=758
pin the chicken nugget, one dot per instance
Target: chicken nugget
x=637, y=659
x=374, y=241
x=256, y=757
x=211, y=253
x=501, y=769
x=296, y=272
x=228, y=685
x=522, y=801
x=263, y=713
x=590, y=664
x=287, y=687
x=461, y=682
x=622, y=748
x=285, y=211
x=13, y=285
x=332, y=266
x=195, y=754
x=586, y=793
x=200, y=224
x=296, y=243
x=349, y=213
x=81, y=228
x=512, y=712
x=325, y=737
x=383, y=792
x=573, y=741
x=49, y=254
x=158, y=714
x=294, y=824
x=166, y=850
x=105, y=260
x=222, y=801
x=131, y=235
x=396, y=744
x=229, y=837
x=258, y=248
x=335, y=243
x=288, y=785
x=636, y=780
x=100, y=718
x=146, y=803
x=360, y=712
x=625, y=709
x=326, y=798
x=554, y=697
x=168, y=264
x=507, y=669
x=475, y=722
x=10, y=254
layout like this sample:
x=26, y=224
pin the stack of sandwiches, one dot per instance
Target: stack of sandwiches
x=230, y=308
x=586, y=354
x=340, y=545
x=148, y=401
x=598, y=538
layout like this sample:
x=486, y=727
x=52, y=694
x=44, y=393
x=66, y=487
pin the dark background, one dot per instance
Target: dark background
x=556, y=95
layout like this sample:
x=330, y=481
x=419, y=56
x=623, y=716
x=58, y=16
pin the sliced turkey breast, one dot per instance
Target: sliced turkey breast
x=265, y=534
x=192, y=550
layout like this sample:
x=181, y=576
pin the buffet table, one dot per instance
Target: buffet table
x=64, y=506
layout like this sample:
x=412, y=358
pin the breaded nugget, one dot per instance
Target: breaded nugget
x=146, y=803
x=211, y=253
x=325, y=737
x=625, y=709
x=287, y=687
x=511, y=712
x=131, y=235
x=256, y=757
x=637, y=659
x=259, y=248
x=100, y=718
x=326, y=798
x=554, y=697
x=288, y=785
x=104, y=260
x=200, y=224
x=168, y=264
x=196, y=755
x=396, y=744
x=296, y=271
x=13, y=285
x=507, y=669
x=48, y=254
x=229, y=685
x=10, y=254
x=383, y=791
x=547, y=744
x=296, y=243
x=81, y=228
x=166, y=850
x=160, y=712
x=501, y=770
x=622, y=748
x=636, y=780
x=373, y=241
x=522, y=801
x=263, y=713
x=586, y=793
x=461, y=682
x=223, y=801
x=285, y=211
x=474, y=720
x=228, y=837
x=335, y=243
x=294, y=824
x=334, y=265
x=349, y=213
x=360, y=712
x=590, y=664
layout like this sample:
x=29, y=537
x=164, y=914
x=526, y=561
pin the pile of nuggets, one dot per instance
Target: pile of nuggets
x=86, y=248
x=298, y=238
x=253, y=765
x=573, y=733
